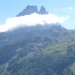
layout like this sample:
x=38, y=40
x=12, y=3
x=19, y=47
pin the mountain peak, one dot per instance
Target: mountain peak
x=32, y=9
x=28, y=10
x=43, y=10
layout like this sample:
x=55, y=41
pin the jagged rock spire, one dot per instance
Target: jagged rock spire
x=43, y=10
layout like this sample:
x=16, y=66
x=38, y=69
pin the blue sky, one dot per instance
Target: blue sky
x=10, y=8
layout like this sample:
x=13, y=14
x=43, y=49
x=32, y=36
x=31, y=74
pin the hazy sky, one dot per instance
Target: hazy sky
x=10, y=8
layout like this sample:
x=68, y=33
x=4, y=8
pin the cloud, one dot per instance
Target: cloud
x=71, y=8
x=31, y=20
x=68, y=9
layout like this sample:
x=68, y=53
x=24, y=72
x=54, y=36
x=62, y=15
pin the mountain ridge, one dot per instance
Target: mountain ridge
x=24, y=33
x=37, y=50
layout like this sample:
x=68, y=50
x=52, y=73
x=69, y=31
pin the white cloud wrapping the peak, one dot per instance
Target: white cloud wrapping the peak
x=31, y=20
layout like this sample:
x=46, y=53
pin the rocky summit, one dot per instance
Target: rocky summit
x=43, y=10
x=32, y=9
